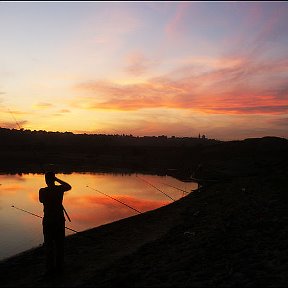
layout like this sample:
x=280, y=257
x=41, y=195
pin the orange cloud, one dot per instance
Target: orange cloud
x=242, y=87
x=126, y=97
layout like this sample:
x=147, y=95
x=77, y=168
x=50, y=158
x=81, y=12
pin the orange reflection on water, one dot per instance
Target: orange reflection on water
x=86, y=207
x=11, y=188
x=100, y=209
x=138, y=204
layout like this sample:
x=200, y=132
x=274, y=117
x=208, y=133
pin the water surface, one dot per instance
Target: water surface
x=86, y=207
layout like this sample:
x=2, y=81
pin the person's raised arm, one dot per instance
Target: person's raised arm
x=65, y=185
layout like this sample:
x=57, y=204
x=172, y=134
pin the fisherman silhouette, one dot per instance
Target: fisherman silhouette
x=197, y=175
x=53, y=223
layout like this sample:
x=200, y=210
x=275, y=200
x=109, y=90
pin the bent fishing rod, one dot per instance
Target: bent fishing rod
x=114, y=199
x=156, y=188
x=39, y=217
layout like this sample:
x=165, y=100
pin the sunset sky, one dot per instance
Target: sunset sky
x=145, y=68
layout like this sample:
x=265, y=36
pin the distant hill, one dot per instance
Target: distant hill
x=42, y=138
x=37, y=151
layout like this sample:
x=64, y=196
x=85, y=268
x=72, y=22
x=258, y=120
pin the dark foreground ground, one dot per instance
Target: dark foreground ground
x=228, y=234
x=231, y=233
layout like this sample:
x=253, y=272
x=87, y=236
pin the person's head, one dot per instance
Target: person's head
x=50, y=178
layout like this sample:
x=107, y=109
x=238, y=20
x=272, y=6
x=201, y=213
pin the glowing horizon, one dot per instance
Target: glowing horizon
x=146, y=68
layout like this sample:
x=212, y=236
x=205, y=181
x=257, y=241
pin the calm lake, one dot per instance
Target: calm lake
x=86, y=207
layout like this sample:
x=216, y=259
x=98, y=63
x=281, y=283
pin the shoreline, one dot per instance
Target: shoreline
x=84, y=238
x=228, y=234
x=34, y=242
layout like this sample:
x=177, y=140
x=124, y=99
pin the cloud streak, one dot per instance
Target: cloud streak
x=43, y=105
x=244, y=87
x=175, y=25
x=138, y=64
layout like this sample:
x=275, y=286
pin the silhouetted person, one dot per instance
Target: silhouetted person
x=53, y=223
x=198, y=174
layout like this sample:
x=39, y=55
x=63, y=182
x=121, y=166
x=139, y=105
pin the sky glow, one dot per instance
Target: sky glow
x=146, y=68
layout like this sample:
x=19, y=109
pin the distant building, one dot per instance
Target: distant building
x=201, y=137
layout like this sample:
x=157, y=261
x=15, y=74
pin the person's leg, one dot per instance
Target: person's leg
x=48, y=246
x=59, y=247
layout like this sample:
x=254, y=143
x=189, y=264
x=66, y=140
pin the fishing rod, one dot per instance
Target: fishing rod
x=155, y=188
x=39, y=162
x=177, y=188
x=20, y=129
x=66, y=213
x=39, y=216
x=14, y=118
x=114, y=199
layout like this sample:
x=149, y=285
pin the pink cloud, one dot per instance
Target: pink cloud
x=175, y=25
x=242, y=88
x=138, y=64
x=266, y=28
x=243, y=81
